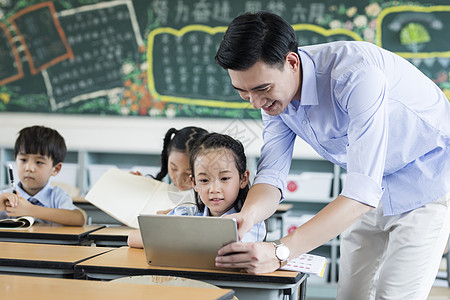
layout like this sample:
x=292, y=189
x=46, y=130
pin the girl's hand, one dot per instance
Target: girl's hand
x=254, y=258
x=243, y=223
x=22, y=208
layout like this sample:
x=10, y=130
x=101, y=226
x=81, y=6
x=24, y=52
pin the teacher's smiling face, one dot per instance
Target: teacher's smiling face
x=267, y=87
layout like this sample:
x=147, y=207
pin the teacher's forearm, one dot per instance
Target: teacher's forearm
x=261, y=202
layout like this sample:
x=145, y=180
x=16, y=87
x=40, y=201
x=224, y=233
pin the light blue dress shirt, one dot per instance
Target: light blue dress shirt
x=256, y=234
x=51, y=197
x=372, y=113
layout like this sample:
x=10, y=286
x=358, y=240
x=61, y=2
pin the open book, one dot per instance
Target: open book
x=17, y=223
x=308, y=264
x=124, y=196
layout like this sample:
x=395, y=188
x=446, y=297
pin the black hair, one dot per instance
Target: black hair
x=182, y=140
x=216, y=141
x=251, y=37
x=41, y=140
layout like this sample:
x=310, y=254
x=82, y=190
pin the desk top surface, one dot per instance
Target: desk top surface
x=284, y=207
x=21, y=287
x=131, y=261
x=51, y=229
x=112, y=231
x=12, y=253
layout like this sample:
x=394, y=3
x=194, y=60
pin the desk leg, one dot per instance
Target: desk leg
x=302, y=290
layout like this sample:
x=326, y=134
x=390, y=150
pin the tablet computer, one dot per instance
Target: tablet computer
x=185, y=241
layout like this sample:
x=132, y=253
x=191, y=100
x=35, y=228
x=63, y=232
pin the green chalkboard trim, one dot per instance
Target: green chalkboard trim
x=327, y=32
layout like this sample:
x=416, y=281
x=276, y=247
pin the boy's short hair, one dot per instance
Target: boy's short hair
x=41, y=140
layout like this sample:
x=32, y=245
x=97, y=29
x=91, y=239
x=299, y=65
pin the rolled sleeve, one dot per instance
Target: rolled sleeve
x=271, y=177
x=362, y=188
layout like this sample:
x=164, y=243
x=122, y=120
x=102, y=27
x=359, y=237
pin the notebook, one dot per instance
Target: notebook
x=308, y=264
x=125, y=196
x=185, y=241
x=24, y=222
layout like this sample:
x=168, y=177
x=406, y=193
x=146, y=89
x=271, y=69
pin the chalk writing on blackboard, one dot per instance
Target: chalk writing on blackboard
x=103, y=36
x=41, y=35
x=11, y=66
x=184, y=71
x=415, y=31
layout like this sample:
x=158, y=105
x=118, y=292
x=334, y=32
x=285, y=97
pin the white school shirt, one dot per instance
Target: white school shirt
x=52, y=197
x=256, y=234
x=372, y=113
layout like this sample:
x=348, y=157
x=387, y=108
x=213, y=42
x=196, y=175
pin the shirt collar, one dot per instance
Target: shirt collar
x=309, y=89
x=231, y=211
x=43, y=195
x=309, y=92
x=291, y=108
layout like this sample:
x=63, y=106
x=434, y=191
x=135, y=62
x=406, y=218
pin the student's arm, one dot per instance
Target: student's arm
x=261, y=202
x=56, y=215
x=135, y=239
x=327, y=224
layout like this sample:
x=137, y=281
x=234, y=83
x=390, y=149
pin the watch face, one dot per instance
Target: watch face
x=282, y=252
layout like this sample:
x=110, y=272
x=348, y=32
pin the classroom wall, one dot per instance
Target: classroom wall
x=132, y=134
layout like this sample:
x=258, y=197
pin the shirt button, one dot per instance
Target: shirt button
x=304, y=122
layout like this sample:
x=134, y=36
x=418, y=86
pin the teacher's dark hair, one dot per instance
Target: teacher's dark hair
x=251, y=37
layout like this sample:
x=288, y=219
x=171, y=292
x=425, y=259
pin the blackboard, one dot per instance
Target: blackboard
x=155, y=58
x=41, y=36
x=11, y=66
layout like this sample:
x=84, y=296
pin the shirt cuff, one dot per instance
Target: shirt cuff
x=362, y=188
x=271, y=178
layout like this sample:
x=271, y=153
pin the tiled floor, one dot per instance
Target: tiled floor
x=439, y=293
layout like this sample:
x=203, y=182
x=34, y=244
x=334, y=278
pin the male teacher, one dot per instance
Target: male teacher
x=370, y=112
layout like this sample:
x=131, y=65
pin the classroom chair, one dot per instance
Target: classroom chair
x=70, y=189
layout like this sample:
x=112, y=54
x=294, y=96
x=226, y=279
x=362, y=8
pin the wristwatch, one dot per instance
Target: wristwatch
x=281, y=252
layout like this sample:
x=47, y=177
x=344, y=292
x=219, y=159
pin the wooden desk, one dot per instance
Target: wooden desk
x=43, y=259
x=112, y=236
x=49, y=234
x=37, y=288
x=130, y=261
